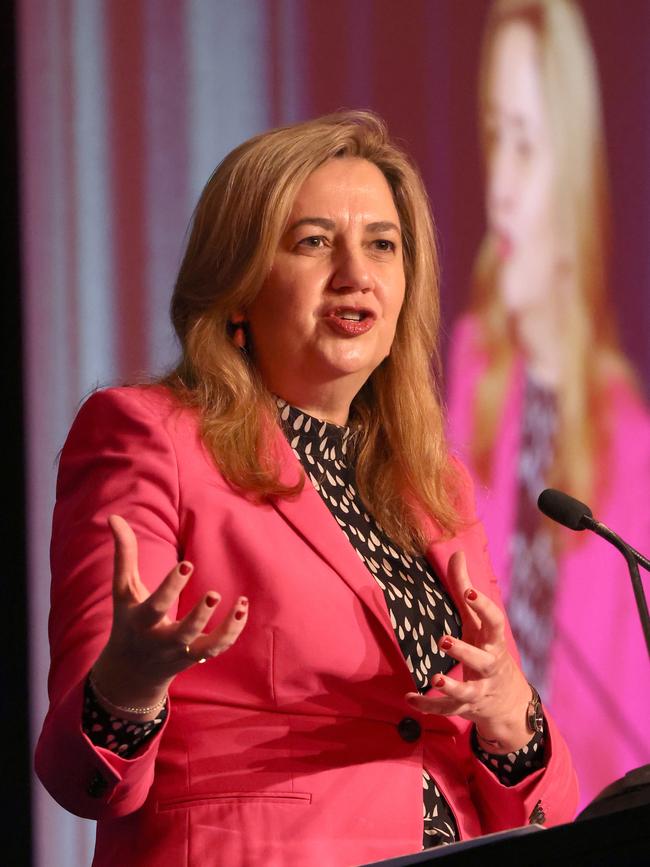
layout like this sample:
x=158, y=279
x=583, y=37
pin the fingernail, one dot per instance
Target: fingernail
x=211, y=600
x=445, y=642
x=184, y=568
x=471, y=595
x=239, y=615
x=439, y=681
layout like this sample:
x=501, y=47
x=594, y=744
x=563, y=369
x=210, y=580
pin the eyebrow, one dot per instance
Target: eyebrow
x=330, y=225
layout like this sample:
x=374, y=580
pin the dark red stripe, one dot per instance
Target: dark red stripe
x=125, y=42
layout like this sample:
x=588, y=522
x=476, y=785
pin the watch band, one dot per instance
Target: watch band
x=534, y=713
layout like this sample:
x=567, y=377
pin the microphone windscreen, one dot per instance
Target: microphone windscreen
x=564, y=509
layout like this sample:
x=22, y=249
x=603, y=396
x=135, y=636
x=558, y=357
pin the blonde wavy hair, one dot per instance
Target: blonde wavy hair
x=590, y=346
x=402, y=465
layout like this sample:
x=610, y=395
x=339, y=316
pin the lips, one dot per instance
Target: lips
x=350, y=321
x=504, y=245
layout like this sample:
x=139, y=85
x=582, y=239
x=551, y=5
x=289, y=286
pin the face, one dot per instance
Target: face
x=327, y=313
x=520, y=163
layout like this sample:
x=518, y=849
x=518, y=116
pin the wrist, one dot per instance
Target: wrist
x=123, y=695
x=132, y=713
x=511, y=733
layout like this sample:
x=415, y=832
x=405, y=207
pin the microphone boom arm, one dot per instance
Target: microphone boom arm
x=633, y=559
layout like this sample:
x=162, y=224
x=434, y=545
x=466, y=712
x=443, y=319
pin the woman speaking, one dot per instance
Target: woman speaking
x=276, y=636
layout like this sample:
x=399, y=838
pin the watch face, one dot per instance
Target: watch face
x=536, y=719
x=535, y=713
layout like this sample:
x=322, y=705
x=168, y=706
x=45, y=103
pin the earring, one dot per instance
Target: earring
x=237, y=331
x=239, y=337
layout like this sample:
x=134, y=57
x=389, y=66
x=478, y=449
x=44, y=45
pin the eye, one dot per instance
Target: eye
x=384, y=245
x=313, y=242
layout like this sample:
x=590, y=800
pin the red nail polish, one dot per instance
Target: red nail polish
x=211, y=601
x=445, y=642
x=239, y=615
x=184, y=568
x=439, y=681
x=471, y=595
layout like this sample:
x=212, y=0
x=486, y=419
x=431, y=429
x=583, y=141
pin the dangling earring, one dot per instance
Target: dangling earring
x=239, y=337
x=237, y=331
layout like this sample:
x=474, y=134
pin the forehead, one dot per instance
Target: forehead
x=514, y=89
x=345, y=184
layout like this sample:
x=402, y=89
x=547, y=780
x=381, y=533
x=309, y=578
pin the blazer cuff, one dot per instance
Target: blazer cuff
x=547, y=797
x=89, y=781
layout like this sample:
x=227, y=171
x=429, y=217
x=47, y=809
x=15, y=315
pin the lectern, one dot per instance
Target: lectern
x=614, y=840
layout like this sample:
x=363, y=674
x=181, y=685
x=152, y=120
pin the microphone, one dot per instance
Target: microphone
x=564, y=509
x=571, y=513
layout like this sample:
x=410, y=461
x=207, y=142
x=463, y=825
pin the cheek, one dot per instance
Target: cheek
x=538, y=201
x=398, y=304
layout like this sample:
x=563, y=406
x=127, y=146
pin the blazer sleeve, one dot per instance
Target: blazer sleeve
x=118, y=459
x=554, y=787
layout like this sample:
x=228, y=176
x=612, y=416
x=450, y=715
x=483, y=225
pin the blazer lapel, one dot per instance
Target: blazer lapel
x=311, y=518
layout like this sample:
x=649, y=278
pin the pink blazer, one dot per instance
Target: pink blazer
x=599, y=670
x=286, y=749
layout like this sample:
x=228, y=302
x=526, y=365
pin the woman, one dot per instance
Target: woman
x=282, y=464
x=541, y=394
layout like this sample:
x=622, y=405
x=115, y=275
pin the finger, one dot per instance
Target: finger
x=225, y=635
x=440, y=705
x=490, y=615
x=477, y=659
x=125, y=573
x=156, y=606
x=455, y=696
x=458, y=584
x=191, y=626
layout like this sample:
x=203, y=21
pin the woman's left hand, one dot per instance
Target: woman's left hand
x=494, y=693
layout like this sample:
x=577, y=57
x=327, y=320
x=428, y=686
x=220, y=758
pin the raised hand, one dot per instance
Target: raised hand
x=146, y=648
x=493, y=693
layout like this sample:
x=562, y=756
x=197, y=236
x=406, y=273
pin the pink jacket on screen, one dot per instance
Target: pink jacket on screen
x=599, y=671
x=286, y=749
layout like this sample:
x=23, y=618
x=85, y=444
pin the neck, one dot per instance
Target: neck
x=327, y=402
x=539, y=335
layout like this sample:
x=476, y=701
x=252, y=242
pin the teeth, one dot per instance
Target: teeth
x=354, y=315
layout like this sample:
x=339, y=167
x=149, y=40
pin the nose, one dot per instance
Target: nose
x=500, y=183
x=352, y=272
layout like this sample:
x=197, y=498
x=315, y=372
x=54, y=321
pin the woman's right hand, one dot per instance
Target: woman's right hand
x=146, y=648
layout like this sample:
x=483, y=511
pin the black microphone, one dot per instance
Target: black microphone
x=575, y=515
x=564, y=509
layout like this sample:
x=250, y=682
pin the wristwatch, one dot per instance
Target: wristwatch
x=534, y=713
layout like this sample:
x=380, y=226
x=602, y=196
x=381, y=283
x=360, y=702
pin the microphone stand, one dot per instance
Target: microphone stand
x=633, y=559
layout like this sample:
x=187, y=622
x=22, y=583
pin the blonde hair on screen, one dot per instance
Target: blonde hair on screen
x=589, y=343
x=237, y=226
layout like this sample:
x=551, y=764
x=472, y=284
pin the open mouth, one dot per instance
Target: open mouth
x=351, y=314
x=350, y=321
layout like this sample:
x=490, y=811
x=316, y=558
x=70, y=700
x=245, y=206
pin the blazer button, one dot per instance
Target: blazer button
x=97, y=786
x=409, y=729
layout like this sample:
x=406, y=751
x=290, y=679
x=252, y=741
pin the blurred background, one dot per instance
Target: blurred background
x=116, y=113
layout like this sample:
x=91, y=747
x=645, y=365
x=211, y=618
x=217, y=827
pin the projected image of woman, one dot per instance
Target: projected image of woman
x=540, y=393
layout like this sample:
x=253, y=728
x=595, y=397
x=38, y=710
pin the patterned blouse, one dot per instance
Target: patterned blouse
x=419, y=608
